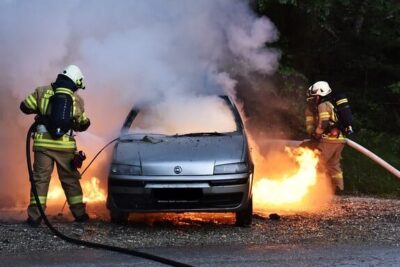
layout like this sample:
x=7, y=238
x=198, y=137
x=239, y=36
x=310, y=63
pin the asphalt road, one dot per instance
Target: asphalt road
x=250, y=255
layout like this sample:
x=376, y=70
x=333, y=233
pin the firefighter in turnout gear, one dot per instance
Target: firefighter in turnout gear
x=60, y=111
x=322, y=126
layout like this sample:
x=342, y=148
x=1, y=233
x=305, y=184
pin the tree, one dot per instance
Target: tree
x=355, y=45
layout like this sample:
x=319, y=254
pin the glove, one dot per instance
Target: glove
x=85, y=126
x=80, y=127
x=25, y=109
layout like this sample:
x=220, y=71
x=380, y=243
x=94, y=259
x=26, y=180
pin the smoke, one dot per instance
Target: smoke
x=211, y=114
x=132, y=53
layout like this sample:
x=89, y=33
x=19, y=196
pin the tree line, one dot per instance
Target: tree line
x=355, y=46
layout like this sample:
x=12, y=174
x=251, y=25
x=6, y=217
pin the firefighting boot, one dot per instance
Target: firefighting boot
x=79, y=212
x=338, y=185
x=82, y=218
x=338, y=191
x=34, y=223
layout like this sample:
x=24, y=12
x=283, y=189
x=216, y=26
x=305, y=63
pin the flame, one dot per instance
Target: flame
x=290, y=189
x=290, y=181
x=92, y=192
x=56, y=193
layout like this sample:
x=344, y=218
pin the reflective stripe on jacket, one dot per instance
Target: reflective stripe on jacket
x=326, y=113
x=315, y=120
x=310, y=122
x=39, y=101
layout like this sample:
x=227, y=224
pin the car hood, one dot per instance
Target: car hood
x=161, y=155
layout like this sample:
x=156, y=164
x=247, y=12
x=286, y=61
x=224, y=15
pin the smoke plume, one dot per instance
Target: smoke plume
x=132, y=53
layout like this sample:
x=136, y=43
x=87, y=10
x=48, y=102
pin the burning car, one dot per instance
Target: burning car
x=199, y=169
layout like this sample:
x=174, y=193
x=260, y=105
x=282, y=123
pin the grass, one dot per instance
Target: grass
x=362, y=175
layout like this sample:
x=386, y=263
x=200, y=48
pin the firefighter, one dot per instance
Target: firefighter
x=322, y=126
x=61, y=151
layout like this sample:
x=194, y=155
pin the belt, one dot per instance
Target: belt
x=41, y=129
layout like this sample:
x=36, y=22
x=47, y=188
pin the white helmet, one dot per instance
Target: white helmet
x=75, y=74
x=320, y=88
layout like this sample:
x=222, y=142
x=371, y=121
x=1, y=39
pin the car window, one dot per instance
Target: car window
x=207, y=114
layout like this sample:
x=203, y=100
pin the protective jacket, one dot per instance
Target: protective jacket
x=322, y=120
x=38, y=103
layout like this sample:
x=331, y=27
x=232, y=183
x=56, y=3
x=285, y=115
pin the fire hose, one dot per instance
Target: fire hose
x=373, y=157
x=358, y=148
x=88, y=166
x=79, y=242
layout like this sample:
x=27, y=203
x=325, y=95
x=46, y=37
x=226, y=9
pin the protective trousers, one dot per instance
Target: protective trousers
x=42, y=169
x=330, y=161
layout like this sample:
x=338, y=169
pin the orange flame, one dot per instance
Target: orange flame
x=56, y=193
x=92, y=192
x=298, y=186
x=289, y=189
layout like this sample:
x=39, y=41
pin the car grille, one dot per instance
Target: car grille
x=176, y=199
x=126, y=183
x=135, y=183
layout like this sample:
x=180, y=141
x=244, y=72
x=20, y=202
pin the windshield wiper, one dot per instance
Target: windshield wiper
x=200, y=134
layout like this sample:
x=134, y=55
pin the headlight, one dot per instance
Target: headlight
x=124, y=169
x=231, y=168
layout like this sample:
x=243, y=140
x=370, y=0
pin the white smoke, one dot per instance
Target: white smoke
x=131, y=53
x=211, y=114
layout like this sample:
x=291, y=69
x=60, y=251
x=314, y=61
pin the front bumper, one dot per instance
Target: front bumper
x=179, y=193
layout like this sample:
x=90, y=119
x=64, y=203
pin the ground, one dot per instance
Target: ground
x=370, y=225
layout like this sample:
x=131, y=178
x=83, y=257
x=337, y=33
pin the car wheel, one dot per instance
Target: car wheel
x=119, y=216
x=244, y=217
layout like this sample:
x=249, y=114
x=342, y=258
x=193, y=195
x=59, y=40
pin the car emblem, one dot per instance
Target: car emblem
x=178, y=169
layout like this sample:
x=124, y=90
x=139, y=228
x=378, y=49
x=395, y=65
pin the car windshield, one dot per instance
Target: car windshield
x=207, y=115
